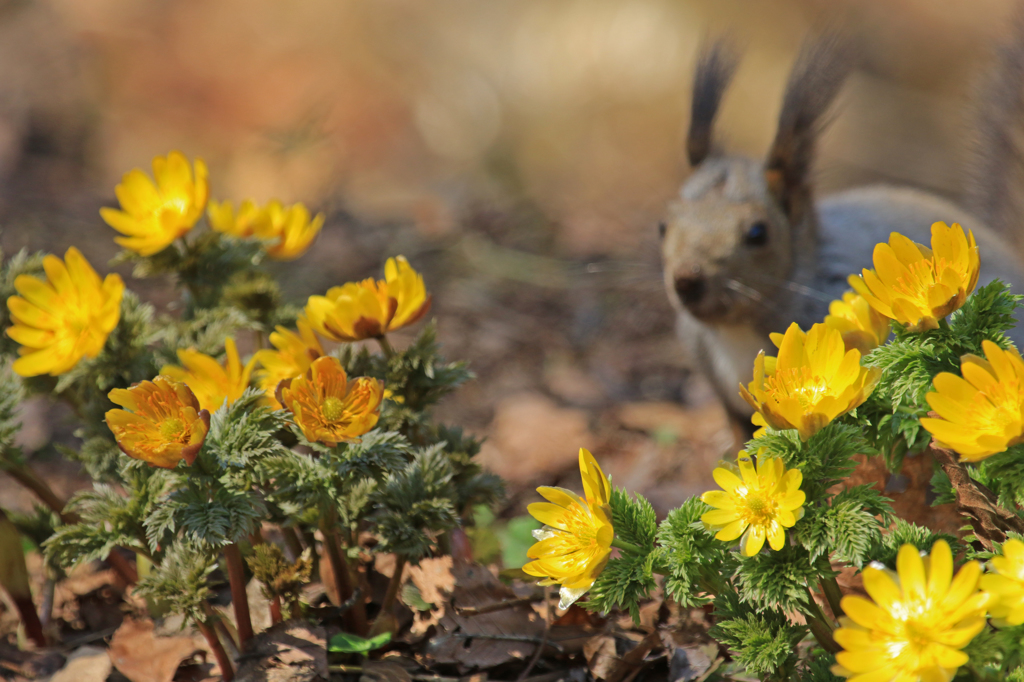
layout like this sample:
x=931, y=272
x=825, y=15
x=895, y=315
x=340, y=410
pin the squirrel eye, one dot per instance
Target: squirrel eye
x=757, y=235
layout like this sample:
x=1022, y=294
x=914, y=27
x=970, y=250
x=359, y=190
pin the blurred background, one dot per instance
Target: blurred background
x=518, y=152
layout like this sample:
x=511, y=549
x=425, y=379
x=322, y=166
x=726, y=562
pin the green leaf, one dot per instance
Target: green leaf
x=345, y=643
x=516, y=538
x=413, y=598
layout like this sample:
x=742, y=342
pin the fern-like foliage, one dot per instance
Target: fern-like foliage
x=623, y=584
x=181, y=580
x=763, y=643
x=848, y=525
x=779, y=580
x=112, y=518
x=691, y=558
x=904, y=533
x=416, y=504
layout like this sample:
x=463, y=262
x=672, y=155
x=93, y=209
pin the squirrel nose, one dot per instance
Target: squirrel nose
x=690, y=288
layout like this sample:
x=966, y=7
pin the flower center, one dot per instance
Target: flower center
x=332, y=409
x=757, y=508
x=799, y=383
x=998, y=407
x=171, y=429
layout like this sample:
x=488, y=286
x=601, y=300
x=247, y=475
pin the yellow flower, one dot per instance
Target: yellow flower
x=862, y=327
x=762, y=426
x=212, y=382
x=982, y=413
x=290, y=228
x=369, y=309
x=813, y=380
x=65, y=318
x=162, y=422
x=153, y=216
x=914, y=627
x=576, y=540
x=249, y=219
x=1006, y=585
x=327, y=406
x=295, y=353
x=759, y=504
x=918, y=286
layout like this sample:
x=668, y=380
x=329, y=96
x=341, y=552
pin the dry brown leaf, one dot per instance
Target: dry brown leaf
x=601, y=655
x=142, y=657
x=434, y=578
x=384, y=671
x=88, y=664
x=459, y=640
x=293, y=651
x=547, y=447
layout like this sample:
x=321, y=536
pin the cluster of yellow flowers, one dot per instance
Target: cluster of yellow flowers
x=69, y=316
x=154, y=215
x=920, y=617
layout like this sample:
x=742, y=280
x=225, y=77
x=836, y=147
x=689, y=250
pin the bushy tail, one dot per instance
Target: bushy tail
x=995, y=187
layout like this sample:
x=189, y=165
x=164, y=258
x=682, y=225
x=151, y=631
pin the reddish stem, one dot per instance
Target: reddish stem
x=356, y=616
x=275, y=609
x=239, y=599
x=227, y=671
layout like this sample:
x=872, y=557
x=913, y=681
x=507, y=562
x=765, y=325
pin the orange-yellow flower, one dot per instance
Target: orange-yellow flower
x=249, y=219
x=212, y=382
x=65, y=318
x=1006, y=585
x=162, y=422
x=918, y=286
x=576, y=540
x=370, y=309
x=291, y=229
x=759, y=504
x=982, y=413
x=917, y=621
x=813, y=380
x=153, y=216
x=295, y=353
x=862, y=327
x=327, y=406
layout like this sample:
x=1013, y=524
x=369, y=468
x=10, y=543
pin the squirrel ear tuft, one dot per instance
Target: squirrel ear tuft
x=818, y=74
x=715, y=68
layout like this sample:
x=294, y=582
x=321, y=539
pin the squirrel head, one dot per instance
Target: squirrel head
x=741, y=228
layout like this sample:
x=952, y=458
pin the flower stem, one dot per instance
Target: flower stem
x=619, y=543
x=834, y=595
x=385, y=345
x=356, y=616
x=275, y=609
x=239, y=599
x=820, y=627
x=393, y=585
x=943, y=324
x=227, y=671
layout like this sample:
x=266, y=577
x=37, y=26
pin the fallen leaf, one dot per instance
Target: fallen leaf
x=384, y=671
x=433, y=578
x=293, y=651
x=549, y=446
x=484, y=640
x=601, y=655
x=88, y=664
x=142, y=657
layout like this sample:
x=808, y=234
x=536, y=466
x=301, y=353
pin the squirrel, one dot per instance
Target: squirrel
x=746, y=246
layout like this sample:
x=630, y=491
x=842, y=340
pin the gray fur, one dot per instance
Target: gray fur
x=750, y=288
